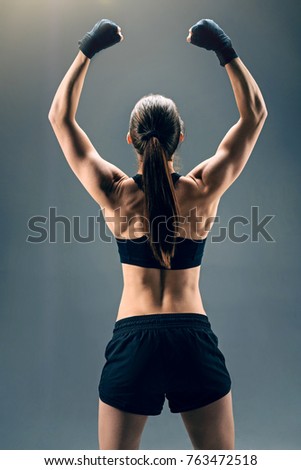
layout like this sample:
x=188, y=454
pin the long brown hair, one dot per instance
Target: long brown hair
x=156, y=113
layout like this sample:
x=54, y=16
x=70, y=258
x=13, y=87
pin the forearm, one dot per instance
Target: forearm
x=66, y=98
x=247, y=94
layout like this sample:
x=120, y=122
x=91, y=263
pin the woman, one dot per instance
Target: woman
x=162, y=344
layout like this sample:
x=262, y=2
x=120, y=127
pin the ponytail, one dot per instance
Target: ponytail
x=160, y=203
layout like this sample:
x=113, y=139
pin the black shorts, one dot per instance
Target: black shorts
x=172, y=355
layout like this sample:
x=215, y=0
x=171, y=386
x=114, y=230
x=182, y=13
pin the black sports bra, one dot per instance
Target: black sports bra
x=137, y=251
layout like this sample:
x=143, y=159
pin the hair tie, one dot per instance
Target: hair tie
x=152, y=133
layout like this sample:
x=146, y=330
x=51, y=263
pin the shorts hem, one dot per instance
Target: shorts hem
x=200, y=405
x=126, y=408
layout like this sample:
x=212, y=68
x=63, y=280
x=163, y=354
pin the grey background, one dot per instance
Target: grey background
x=59, y=300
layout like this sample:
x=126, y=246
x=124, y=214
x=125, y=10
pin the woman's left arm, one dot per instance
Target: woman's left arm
x=100, y=177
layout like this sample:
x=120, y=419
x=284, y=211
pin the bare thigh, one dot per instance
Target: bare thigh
x=119, y=430
x=211, y=426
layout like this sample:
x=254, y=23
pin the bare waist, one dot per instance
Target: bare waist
x=145, y=302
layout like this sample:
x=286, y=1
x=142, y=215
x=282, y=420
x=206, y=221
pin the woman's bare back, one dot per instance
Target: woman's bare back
x=152, y=290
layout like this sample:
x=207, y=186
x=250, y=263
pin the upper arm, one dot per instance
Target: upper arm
x=218, y=172
x=99, y=177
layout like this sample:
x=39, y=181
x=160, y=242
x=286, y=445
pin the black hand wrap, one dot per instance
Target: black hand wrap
x=104, y=34
x=207, y=34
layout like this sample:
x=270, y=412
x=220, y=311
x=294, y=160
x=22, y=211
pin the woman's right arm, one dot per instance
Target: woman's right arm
x=218, y=172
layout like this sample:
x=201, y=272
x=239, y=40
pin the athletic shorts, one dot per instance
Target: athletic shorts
x=157, y=356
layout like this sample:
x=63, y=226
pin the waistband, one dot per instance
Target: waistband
x=162, y=320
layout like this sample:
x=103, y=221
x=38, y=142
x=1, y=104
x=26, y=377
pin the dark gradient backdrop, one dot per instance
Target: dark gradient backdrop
x=59, y=300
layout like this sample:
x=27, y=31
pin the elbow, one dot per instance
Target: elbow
x=260, y=110
x=256, y=116
x=265, y=113
x=56, y=114
x=56, y=119
x=256, y=110
x=262, y=116
x=50, y=118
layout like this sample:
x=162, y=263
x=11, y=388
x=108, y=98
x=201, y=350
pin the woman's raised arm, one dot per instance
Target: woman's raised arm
x=98, y=176
x=218, y=172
